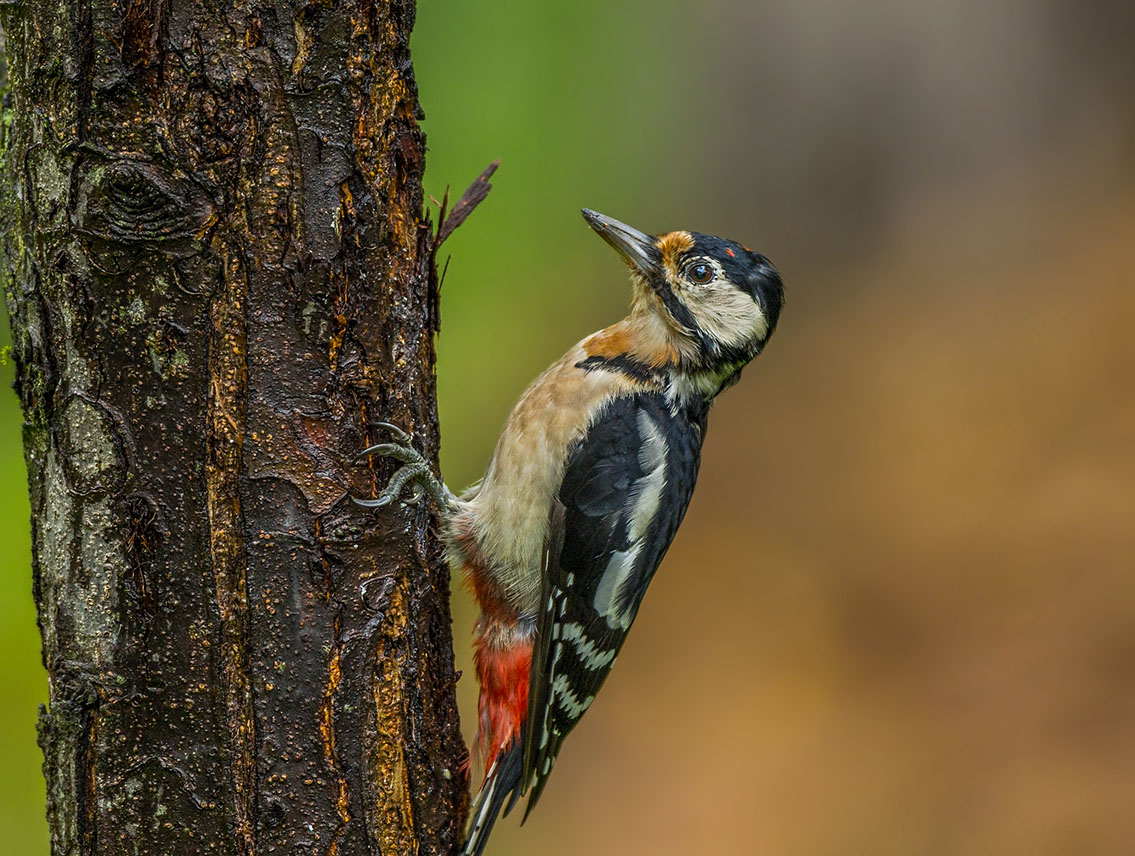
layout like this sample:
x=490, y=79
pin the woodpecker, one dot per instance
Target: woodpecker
x=584, y=492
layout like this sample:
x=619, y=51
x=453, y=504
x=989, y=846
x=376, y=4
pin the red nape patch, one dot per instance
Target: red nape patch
x=503, y=706
x=732, y=254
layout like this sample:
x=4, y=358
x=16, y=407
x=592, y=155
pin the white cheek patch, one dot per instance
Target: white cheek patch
x=726, y=313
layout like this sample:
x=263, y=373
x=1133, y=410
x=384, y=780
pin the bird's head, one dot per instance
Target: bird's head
x=717, y=301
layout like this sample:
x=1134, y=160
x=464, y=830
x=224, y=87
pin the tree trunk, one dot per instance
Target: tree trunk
x=219, y=278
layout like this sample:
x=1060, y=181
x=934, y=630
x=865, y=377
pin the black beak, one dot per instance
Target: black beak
x=634, y=246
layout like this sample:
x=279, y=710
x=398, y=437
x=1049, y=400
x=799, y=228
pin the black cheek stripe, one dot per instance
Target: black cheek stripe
x=680, y=313
x=622, y=363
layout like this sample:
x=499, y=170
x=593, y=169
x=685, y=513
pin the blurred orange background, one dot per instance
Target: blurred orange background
x=900, y=615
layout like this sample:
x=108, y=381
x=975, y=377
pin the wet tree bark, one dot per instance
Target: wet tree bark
x=219, y=278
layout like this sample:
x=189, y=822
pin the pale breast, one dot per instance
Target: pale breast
x=510, y=510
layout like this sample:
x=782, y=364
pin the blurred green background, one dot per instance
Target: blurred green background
x=900, y=616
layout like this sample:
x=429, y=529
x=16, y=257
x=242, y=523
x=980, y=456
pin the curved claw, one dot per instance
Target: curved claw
x=372, y=503
x=411, y=472
x=415, y=470
x=398, y=434
x=405, y=454
x=376, y=449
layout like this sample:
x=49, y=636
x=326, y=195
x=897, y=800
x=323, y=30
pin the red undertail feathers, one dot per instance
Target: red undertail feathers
x=503, y=706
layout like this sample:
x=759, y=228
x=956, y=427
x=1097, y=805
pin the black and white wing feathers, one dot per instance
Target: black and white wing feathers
x=626, y=487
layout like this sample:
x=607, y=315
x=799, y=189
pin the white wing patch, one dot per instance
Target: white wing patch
x=646, y=493
x=643, y=500
x=619, y=568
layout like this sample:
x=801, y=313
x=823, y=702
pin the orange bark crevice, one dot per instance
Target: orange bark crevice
x=226, y=424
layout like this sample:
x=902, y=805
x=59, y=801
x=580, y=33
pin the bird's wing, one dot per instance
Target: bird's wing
x=625, y=489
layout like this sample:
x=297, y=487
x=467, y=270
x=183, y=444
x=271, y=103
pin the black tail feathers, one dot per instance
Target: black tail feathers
x=501, y=783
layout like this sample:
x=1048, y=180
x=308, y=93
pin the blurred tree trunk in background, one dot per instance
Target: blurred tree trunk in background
x=219, y=278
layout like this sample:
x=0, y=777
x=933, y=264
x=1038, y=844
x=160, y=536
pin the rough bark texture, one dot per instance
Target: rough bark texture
x=219, y=278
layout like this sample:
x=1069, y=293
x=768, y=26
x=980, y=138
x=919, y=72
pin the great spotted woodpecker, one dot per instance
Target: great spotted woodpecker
x=584, y=492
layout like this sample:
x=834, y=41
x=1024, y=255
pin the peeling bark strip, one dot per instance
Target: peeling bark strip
x=395, y=811
x=219, y=276
x=224, y=441
x=327, y=730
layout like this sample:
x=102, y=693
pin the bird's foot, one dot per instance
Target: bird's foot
x=415, y=471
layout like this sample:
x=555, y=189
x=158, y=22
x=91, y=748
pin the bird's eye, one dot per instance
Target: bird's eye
x=700, y=272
